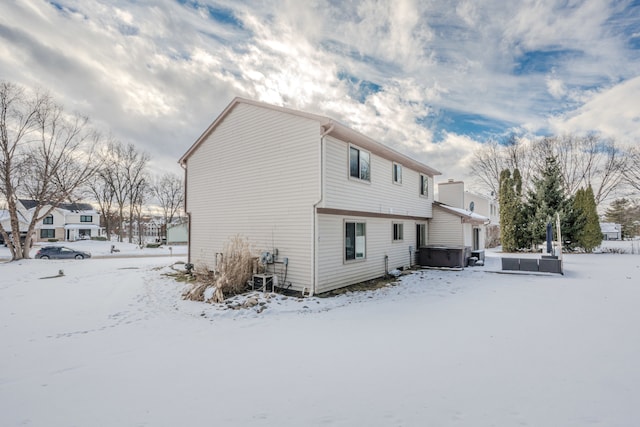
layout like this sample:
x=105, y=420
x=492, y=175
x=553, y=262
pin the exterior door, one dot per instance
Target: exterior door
x=476, y=239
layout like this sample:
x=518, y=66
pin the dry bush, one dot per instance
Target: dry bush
x=234, y=271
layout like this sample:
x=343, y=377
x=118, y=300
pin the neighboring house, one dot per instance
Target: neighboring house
x=333, y=206
x=151, y=228
x=611, y=231
x=452, y=193
x=178, y=233
x=66, y=222
x=23, y=221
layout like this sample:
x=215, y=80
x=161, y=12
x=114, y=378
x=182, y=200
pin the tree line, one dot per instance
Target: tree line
x=568, y=175
x=582, y=161
x=52, y=157
x=526, y=214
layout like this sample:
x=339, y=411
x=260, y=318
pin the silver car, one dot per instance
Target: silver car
x=61, y=252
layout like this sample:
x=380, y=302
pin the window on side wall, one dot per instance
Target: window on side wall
x=48, y=219
x=424, y=185
x=86, y=218
x=354, y=240
x=398, y=232
x=359, y=164
x=397, y=173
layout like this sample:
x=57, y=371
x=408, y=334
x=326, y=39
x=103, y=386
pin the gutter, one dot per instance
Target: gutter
x=314, y=278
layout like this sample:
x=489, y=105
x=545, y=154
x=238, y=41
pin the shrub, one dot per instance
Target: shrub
x=52, y=240
x=99, y=238
x=231, y=277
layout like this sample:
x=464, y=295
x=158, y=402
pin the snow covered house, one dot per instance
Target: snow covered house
x=66, y=222
x=611, y=231
x=23, y=221
x=333, y=206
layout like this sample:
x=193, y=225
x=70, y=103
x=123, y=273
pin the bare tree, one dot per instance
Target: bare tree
x=584, y=161
x=137, y=203
x=488, y=164
x=632, y=168
x=47, y=155
x=104, y=195
x=123, y=174
x=168, y=190
x=136, y=178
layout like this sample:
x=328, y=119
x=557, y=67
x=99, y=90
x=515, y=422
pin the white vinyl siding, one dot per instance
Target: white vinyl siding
x=334, y=272
x=445, y=228
x=257, y=176
x=381, y=196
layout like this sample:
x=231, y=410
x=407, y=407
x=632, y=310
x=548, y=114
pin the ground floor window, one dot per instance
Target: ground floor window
x=398, y=232
x=354, y=240
x=47, y=233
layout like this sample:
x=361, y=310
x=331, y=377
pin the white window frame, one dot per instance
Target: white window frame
x=396, y=173
x=360, y=243
x=397, y=230
x=424, y=185
x=361, y=155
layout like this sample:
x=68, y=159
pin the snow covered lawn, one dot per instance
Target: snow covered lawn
x=110, y=343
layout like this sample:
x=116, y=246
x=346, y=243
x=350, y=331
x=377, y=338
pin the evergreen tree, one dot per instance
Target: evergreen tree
x=520, y=220
x=512, y=223
x=507, y=225
x=545, y=200
x=588, y=233
x=627, y=214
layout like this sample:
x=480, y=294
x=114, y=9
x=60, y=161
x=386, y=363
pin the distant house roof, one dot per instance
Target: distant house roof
x=610, y=227
x=330, y=127
x=30, y=204
x=463, y=213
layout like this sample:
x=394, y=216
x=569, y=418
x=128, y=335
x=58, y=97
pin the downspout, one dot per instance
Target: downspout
x=184, y=166
x=314, y=279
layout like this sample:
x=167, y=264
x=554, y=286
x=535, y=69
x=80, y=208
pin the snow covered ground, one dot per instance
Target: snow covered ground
x=111, y=343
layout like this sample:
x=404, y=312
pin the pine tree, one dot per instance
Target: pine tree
x=520, y=220
x=545, y=200
x=512, y=223
x=627, y=214
x=507, y=225
x=588, y=234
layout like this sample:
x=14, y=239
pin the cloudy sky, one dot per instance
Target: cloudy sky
x=433, y=78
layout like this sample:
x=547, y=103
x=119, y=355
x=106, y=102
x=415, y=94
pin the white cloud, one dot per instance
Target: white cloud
x=158, y=74
x=614, y=112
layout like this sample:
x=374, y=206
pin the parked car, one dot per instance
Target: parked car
x=61, y=252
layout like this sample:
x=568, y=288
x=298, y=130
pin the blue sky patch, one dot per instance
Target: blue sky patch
x=62, y=8
x=220, y=14
x=359, y=89
x=543, y=61
x=476, y=126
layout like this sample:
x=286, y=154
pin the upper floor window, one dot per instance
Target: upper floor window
x=359, y=165
x=48, y=219
x=424, y=185
x=398, y=232
x=354, y=240
x=397, y=173
x=86, y=218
